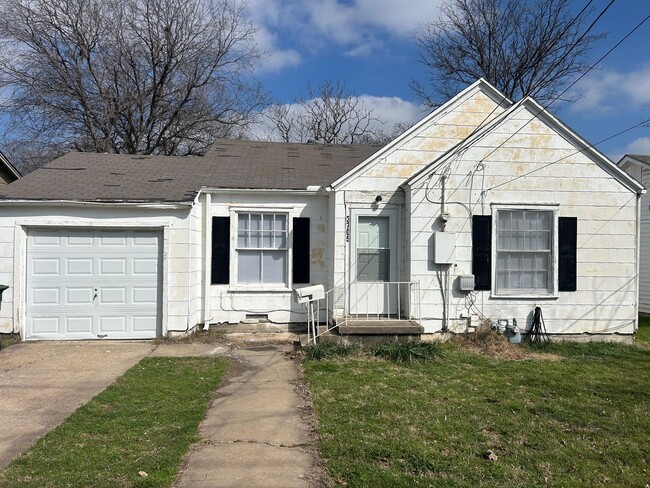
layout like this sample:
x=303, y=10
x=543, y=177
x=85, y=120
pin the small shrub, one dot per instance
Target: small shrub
x=407, y=352
x=326, y=350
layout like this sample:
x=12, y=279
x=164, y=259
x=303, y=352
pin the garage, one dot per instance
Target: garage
x=93, y=284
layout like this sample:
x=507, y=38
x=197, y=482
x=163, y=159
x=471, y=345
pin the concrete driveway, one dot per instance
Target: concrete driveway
x=42, y=383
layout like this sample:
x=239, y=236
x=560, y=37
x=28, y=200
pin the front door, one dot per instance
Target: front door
x=373, y=263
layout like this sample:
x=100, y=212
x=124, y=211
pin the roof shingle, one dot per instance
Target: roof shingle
x=233, y=164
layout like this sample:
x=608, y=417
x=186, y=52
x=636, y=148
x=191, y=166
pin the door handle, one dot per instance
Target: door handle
x=95, y=294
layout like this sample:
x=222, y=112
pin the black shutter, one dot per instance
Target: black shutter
x=482, y=251
x=220, y=250
x=301, y=250
x=567, y=250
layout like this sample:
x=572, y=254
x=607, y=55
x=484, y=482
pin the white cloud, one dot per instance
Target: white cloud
x=274, y=58
x=359, y=26
x=606, y=90
x=640, y=145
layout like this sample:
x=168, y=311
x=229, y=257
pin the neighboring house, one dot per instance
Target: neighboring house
x=638, y=166
x=8, y=171
x=121, y=246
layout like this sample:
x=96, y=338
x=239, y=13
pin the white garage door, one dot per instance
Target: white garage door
x=93, y=284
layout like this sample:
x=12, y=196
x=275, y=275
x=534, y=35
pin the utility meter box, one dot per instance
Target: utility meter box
x=466, y=282
x=444, y=248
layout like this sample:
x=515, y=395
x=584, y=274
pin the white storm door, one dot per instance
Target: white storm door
x=374, y=264
x=93, y=284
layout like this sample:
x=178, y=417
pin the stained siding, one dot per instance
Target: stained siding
x=520, y=173
x=229, y=304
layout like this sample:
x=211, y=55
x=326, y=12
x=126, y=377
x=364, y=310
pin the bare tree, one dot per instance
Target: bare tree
x=329, y=115
x=127, y=76
x=521, y=47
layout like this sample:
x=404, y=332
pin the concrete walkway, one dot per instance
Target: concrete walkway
x=254, y=434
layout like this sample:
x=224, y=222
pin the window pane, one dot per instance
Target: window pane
x=249, y=267
x=256, y=221
x=267, y=239
x=280, y=240
x=281, y=222
x=267, y=223
x=275, y=266
x=242, y=221
x=241, y=239
x=255, y=239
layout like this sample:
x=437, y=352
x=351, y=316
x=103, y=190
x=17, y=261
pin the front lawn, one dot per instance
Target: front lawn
x=581, y=417
x=643, y=334
x=144, y=422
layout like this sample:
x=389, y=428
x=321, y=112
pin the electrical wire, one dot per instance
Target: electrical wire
x=545, y=107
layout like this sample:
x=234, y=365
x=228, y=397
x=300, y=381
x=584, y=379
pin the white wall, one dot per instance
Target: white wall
x=393, y=167
x=230, y=304
x=176, y=251
x=605, y=300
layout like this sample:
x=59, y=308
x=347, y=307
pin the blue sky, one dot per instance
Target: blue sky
x=369, y=44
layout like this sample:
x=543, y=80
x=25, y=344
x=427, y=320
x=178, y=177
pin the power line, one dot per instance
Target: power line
x=545, y=107
x=572, y=154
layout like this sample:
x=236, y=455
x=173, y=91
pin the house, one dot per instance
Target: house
x=483, y=210
x=638, y=166
x=8, y=171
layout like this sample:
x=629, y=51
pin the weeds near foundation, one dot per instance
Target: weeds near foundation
x=407, y=352
x=329, y=350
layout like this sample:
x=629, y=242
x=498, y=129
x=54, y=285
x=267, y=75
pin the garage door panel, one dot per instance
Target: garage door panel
x=89, y=283
x=45, y=325
x=112, y=266
x=109, y=239
x=77, y=325
x=145, y=267
x=45, y=240
x=112, y=295
x=79, y=266
x=115, y=323
x=82, y=296
x=144, y=323
x=45, y=296
x=79, y=239
x=144, y=296
x=45, y=267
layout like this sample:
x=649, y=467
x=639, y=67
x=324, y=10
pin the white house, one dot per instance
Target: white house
x=484, y=209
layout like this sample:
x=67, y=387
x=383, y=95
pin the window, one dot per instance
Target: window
x=530, y=252
x=262, y=248
x=524, y=252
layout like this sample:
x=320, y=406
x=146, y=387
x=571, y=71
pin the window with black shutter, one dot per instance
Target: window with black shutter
x=300, y=250
x=220, y=250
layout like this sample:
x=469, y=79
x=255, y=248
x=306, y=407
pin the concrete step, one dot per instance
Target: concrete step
x=380, y=327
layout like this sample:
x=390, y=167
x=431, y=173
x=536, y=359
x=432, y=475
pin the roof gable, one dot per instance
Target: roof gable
x=480, y=85
x=555, y=124
x=636, y=159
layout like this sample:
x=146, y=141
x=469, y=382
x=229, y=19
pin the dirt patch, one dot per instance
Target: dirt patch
x=487, y=342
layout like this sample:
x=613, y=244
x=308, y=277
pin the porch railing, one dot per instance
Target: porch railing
x=365, y=301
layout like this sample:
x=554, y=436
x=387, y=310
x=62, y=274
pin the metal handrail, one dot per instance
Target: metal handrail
x=407, y=291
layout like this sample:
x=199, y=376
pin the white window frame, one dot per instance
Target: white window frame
x=553, y=262
x=235, y=284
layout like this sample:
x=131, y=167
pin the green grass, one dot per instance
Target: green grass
x=583, y=420
x=145, y=421
x=643, y=335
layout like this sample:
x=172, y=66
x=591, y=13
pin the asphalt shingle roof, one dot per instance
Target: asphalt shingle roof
x=228, y=164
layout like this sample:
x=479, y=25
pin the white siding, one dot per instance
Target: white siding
x=230, y=304
x=606, y=298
